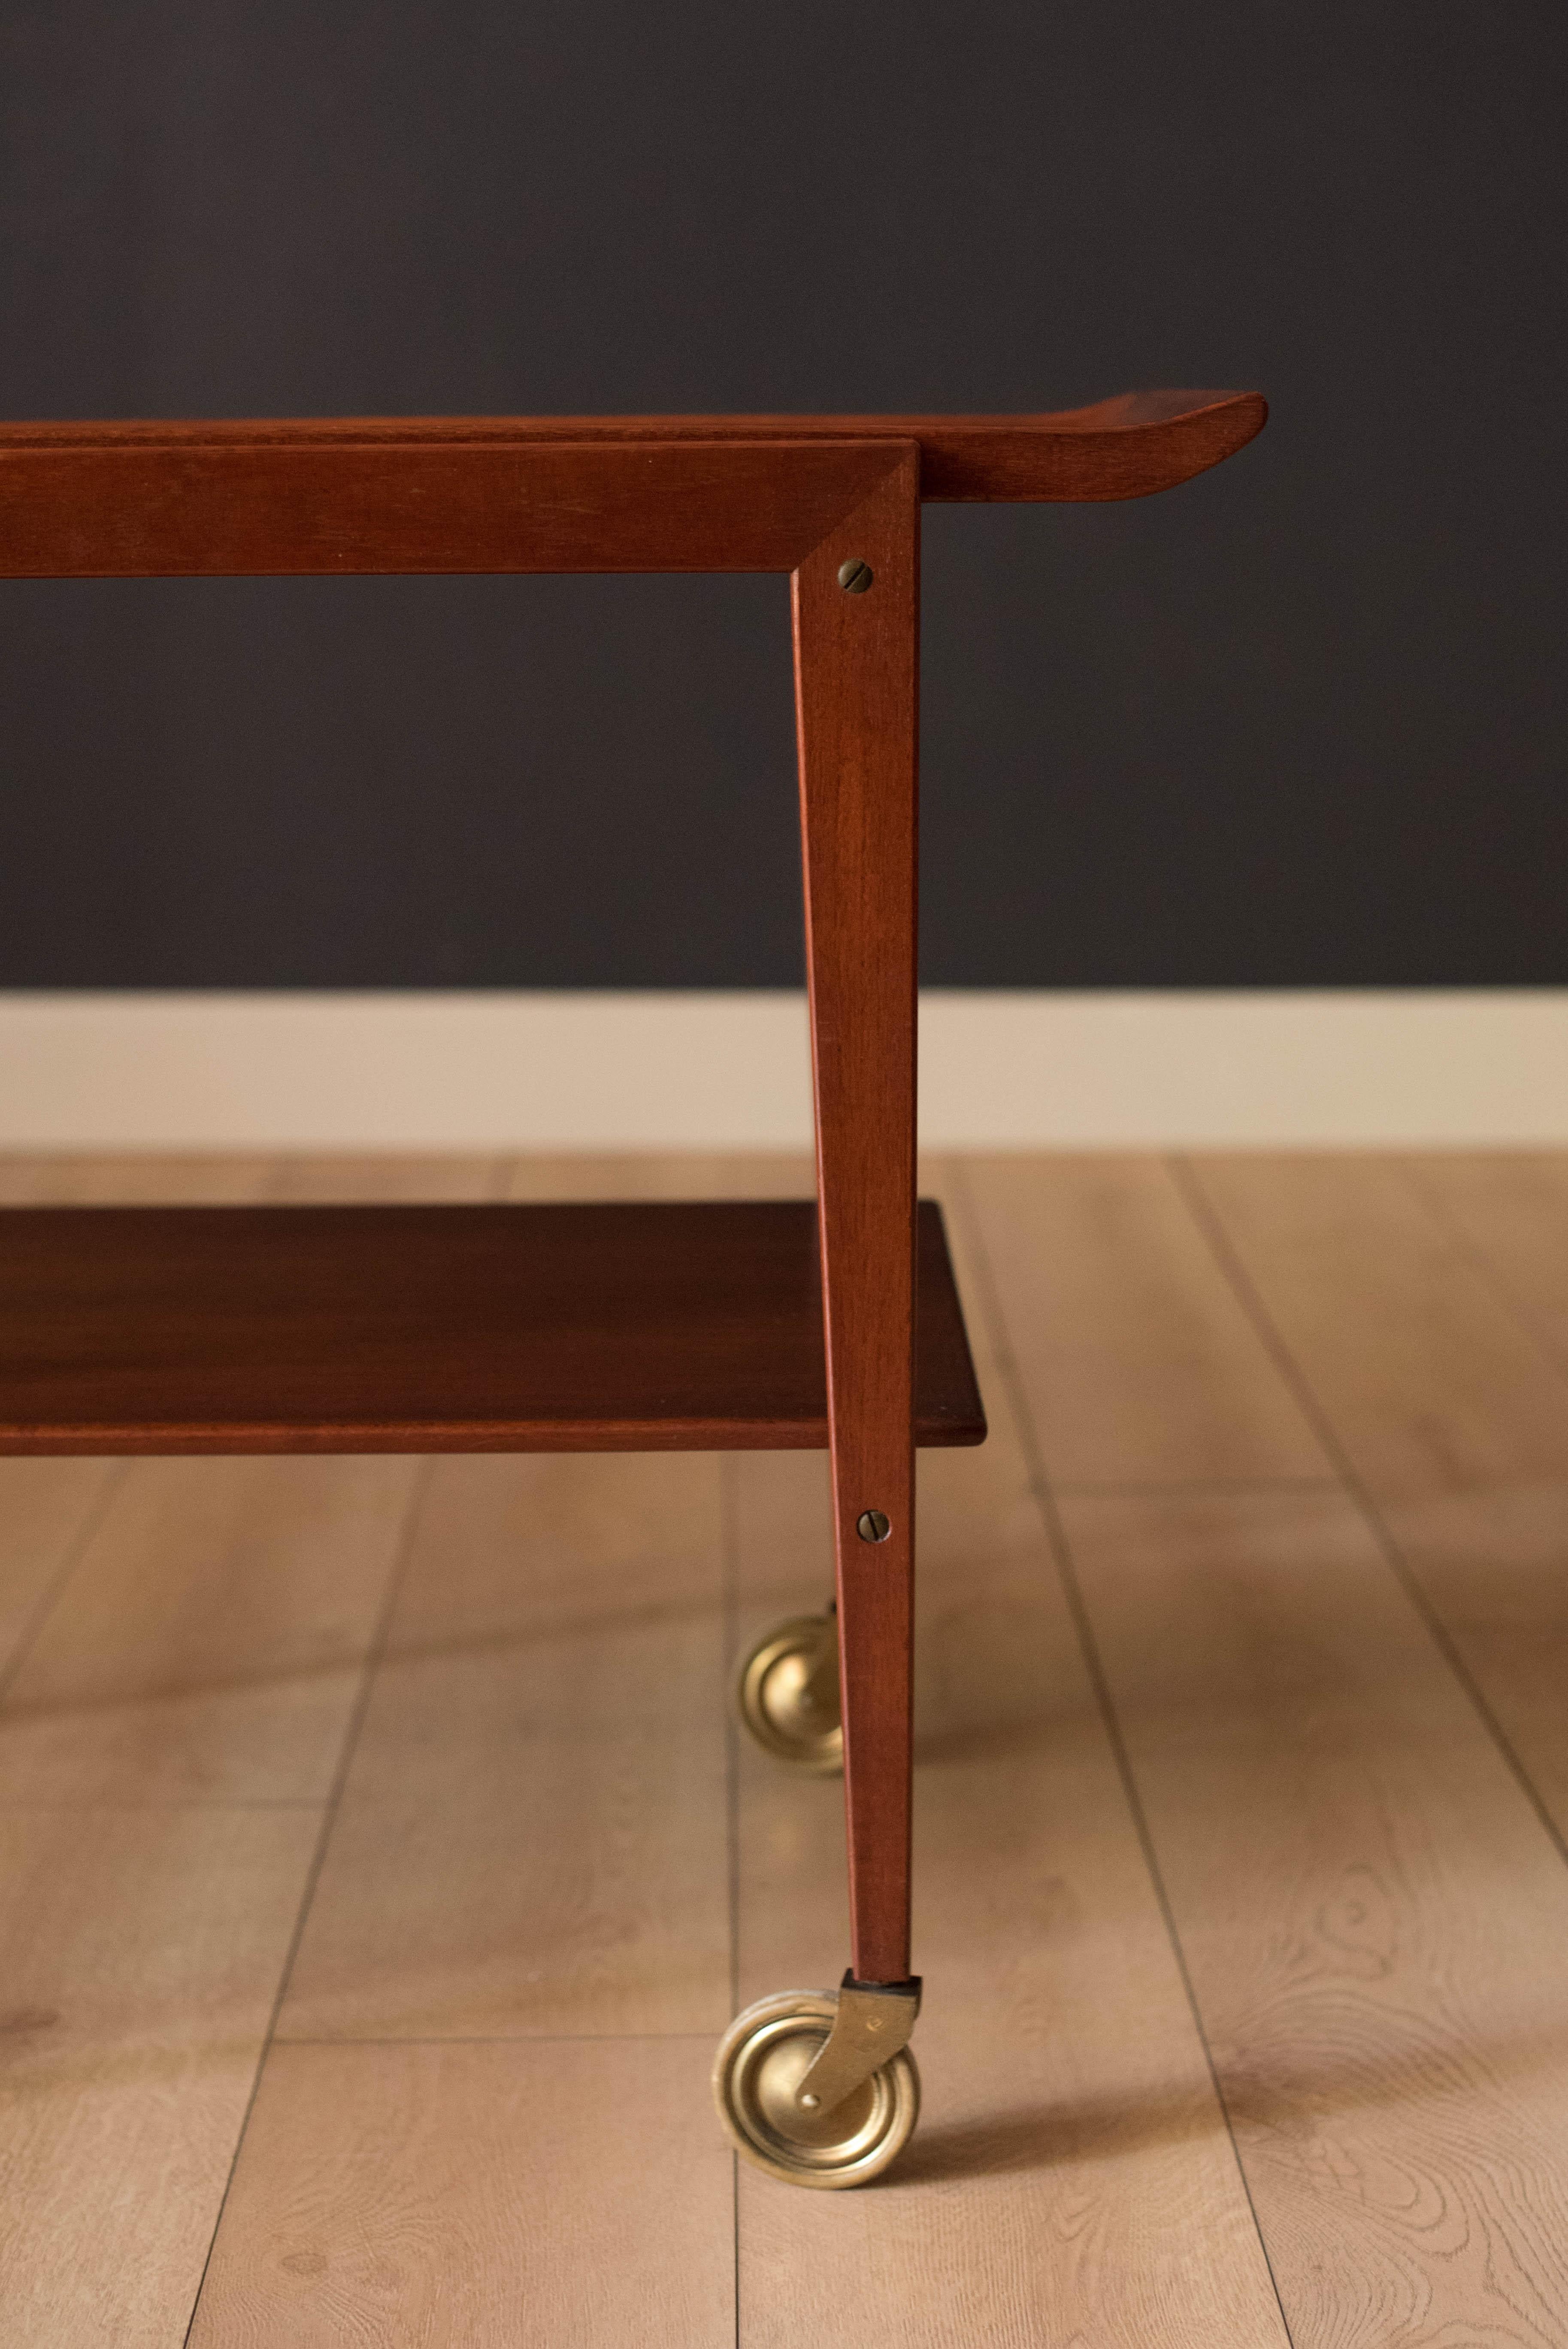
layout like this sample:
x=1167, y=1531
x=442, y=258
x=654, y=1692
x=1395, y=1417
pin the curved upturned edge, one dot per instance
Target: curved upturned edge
x=1126, y=447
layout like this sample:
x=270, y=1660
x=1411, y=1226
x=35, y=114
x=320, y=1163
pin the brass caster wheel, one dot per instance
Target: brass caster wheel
x=762, y=2059
x=788, y=1694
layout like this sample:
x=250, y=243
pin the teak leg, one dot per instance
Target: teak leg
x=856, y=656
x=820, y=2087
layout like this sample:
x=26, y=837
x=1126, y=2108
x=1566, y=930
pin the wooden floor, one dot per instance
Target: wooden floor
x=378, y=1863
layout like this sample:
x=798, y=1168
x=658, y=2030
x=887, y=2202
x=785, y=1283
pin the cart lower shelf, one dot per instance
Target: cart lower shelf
x=652, y=1327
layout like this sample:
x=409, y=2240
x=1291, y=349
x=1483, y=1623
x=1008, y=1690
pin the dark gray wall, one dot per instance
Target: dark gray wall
x=1296, y=723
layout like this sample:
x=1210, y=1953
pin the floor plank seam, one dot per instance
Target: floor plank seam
x=373, y=1656
x=1056, y=1534
x=1204, y=1214
x=76, y=1550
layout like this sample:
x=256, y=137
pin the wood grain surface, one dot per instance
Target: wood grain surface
x=424, y=1328
x=551, y=493
x=1430, y=1380
x=200, y=1629
x=1143, y=1367
x=139, y=1956
x=22, y=1174
x=134, y=1178
x=1070, y=2139
x=1511, y=1208
x=530, y=1839
x=575, y=2194
x=1361, y=1892
x=1427, y=1341
x=857, y=703
x=209, y=1642
x=1366, y=1907
x=199, y=505
x=543, y=1175
x=46, y=1510
x=364, y=1178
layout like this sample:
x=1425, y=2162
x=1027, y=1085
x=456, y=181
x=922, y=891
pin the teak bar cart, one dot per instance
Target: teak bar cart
x=573, y=1327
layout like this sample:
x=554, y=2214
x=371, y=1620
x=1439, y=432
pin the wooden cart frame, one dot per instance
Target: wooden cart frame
x=551, y=1328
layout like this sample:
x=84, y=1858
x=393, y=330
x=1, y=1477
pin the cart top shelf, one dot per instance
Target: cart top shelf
x=551, y=493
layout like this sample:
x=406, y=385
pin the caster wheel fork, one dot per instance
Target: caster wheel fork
x=819, y=2088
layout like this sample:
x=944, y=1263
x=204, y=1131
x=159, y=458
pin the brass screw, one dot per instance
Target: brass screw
x=854, y=577
x=871, y=1526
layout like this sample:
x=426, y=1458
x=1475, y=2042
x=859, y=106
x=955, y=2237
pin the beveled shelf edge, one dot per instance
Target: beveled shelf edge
x=188, y=1441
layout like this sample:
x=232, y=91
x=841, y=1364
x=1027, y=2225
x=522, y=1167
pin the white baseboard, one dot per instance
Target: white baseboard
x=729, y=1071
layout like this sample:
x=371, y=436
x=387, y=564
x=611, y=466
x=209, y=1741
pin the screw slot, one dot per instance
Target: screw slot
x=872, y=1527
x=855, y=575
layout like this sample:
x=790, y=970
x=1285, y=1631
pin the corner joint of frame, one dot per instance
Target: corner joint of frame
x=892, y=479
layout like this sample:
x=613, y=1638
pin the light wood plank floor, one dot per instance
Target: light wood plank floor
x=378, y=1862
